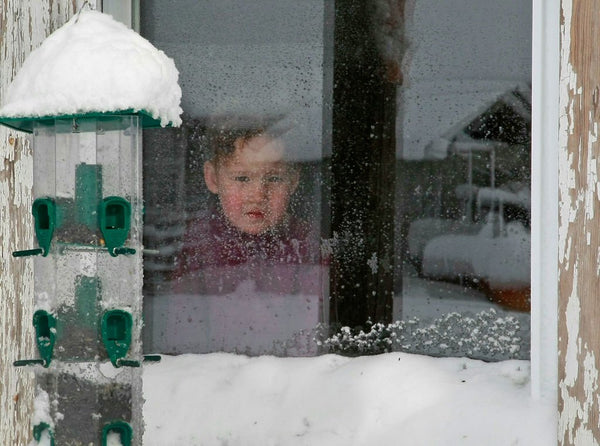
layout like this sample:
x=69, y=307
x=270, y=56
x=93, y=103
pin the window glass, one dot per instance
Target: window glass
x=463, y=185
x=233, y=198
x=390, y=143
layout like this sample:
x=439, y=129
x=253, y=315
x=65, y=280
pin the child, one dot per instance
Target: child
x=249, y=232
x=253, y=182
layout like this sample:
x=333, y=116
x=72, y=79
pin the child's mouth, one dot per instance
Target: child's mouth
x=255, y=214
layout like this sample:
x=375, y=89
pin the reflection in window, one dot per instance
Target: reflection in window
x=406, y=178
x=233, y=208
x=463, y=192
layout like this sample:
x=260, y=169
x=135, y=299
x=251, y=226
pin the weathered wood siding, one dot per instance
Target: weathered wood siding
x=24, y=24
x=579, y=225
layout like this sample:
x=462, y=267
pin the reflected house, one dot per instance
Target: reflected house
x=487, y=243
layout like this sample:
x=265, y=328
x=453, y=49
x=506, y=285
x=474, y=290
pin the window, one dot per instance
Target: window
x=406, y=128
x=463, y=195
x=252, y=74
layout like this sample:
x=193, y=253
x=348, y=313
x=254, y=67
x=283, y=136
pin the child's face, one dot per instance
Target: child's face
x=254, y=184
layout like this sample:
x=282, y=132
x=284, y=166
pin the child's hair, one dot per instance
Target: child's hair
x=224, y=133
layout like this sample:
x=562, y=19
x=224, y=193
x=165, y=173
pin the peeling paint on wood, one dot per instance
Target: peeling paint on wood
x=579, y=226
x=24, y=25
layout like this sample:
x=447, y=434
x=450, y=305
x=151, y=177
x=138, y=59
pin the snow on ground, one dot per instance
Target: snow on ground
x=390, y=399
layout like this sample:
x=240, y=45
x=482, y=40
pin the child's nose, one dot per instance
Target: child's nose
x=257, y=190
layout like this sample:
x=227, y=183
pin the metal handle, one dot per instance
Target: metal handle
x=122, y=362
x=123, y=250
x=25, y=362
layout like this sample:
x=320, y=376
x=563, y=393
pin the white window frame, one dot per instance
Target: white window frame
x=544, y=198
x=124, y=11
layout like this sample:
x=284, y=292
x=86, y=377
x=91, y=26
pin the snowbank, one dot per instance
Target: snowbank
x=390, y=399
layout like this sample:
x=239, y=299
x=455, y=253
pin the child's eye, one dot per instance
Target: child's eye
x=241, y=178
x=274, y=179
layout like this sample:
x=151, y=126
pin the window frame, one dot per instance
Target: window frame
x=544, y=198
x=544, y=187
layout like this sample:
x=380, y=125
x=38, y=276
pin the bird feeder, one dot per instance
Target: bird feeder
x=87, y=218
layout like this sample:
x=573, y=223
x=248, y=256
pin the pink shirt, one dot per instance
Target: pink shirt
x=216, y=257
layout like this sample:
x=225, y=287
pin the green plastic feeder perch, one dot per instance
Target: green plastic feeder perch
x=120, y=428
x=45, y=337
x=116, y=336
x=115, y=222
x=38, y=431
x=44, y=215
x=45, y=334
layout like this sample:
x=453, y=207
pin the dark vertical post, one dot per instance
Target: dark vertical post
x=363, y=171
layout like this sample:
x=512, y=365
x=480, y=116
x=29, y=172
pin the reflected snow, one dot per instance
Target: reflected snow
x=428, y=301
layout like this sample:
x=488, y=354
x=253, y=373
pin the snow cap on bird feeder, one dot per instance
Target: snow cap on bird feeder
x=91, y=66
